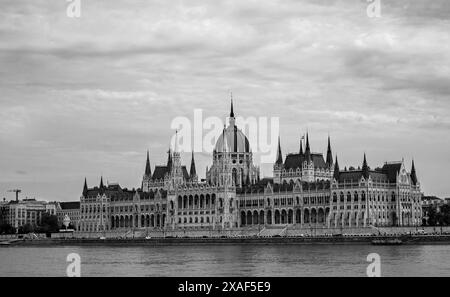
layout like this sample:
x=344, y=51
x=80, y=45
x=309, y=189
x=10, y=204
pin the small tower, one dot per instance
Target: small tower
x=225, y=174
x=278, y=166
x=148, y=170
x=85, y=188
x=329, y=155
x=336, y=170
x=146, y=179
x=176, y=172
x=413, y=174
x=307, y=150
x=308, y=164
x=301, y=146
x=365, y=168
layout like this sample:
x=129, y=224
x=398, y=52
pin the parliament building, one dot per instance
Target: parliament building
x=307, y=190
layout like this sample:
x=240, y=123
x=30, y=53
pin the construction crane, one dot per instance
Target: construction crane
x=17, y=191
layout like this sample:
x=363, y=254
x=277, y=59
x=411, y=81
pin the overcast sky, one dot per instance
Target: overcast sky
x=88, y=96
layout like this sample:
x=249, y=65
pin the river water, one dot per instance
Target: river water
x=227, y=260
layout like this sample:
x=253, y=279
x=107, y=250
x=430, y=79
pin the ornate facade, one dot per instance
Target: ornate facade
x=307, y=191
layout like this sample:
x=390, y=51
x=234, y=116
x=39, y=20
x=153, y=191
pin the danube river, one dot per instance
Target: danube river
x=227, y=260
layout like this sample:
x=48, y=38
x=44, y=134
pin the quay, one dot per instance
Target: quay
x=406, y=240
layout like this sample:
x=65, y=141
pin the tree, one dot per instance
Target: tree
x=49, y=224
x=432, y=216
x=7, y=229
x=441, y=218
x=25, y=229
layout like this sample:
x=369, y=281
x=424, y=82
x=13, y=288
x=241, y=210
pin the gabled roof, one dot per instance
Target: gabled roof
x=294, y=161
x=391, y=170
x=70, y=205
x=112, y=191
x=161, y=171
x=356, y=175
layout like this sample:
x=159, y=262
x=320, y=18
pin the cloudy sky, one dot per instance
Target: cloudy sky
x=88, y=96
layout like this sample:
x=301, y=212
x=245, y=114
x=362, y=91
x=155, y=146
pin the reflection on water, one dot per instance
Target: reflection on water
x=227, y=260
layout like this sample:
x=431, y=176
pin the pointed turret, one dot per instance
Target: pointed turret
x=365, y=168
x=336, y=169
x=169, y=159
x=301, y=146
x=192, y=172
x=148, y=170
x=413, y=174
x=308, y=149
x=329, y=154
x=279, y=160
x=101, y=183
x=85, y=187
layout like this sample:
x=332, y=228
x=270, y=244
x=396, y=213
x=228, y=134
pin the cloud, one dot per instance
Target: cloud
x=85, y=97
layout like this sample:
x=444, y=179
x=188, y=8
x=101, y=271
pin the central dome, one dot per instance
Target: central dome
x=232, y=140
x=236, y=141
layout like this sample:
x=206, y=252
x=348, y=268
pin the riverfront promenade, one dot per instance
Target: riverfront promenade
x=251, y=236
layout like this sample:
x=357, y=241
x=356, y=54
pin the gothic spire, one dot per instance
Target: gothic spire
x=336, y=169
x=301, y=146
x=101, y=183
x=365, y=168
x=279, y=155
x=329, y=154
x=85, y=188
x=169, y=159
x=148, y=170
x=192, y=172
x=308, y=149
x=413, y=174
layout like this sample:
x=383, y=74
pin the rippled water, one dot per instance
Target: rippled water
x=229, y=260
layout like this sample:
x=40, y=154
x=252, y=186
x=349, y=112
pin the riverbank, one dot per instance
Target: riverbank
x=406, y=239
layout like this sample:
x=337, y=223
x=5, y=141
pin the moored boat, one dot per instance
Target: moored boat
x=394, y=241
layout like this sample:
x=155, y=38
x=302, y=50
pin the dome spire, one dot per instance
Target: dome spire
x=232, y=109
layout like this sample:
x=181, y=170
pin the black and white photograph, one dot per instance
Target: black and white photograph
x=202, y=140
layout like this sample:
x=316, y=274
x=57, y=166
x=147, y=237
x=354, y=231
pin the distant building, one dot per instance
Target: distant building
x=71, y=209
x=428, y=203
x=26, y=211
